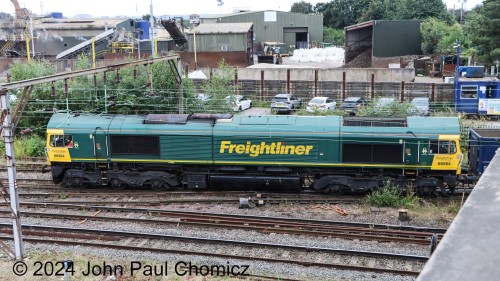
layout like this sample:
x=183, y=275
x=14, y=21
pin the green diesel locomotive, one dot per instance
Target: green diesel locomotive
x=289, y=153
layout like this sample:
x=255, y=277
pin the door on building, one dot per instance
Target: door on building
x=296, y=37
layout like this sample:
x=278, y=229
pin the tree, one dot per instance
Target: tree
x=341, y=13
x=41, y=98
x=422, y=9
x=302, y=7
x=381, y=10
x=217, y=88
x=335, y=36
x=483, y=28
x=439, y=37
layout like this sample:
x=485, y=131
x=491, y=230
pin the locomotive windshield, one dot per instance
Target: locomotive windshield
x=61, y=141
x=442, y=147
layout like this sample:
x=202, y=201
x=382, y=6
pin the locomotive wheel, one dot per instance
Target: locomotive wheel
x=73, y=182
x=333, y=189
x=117, y=184
x=158, y=185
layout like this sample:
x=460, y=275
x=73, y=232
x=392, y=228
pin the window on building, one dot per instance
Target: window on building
x=468, y=92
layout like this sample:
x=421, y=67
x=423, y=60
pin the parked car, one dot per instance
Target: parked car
x=382, y=105
x=239, y=102
x=285, y=103
x=321, y=104
x=352, y=104
x=420, y=106
x=382, y=102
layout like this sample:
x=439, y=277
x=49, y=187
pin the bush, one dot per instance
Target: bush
x=27, y=146
x=390, y=196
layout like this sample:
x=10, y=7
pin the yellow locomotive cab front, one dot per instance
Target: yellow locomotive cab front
x=57, y=146
x=447, y=154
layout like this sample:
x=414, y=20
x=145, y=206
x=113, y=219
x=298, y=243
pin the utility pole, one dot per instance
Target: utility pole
x=8, y=135
x=152, y=22
x=457, y=72
x=31, y=37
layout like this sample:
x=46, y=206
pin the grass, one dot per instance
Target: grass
x=390, y=196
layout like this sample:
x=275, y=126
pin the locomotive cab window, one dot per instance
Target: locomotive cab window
x=61, y=141
x=442, y=147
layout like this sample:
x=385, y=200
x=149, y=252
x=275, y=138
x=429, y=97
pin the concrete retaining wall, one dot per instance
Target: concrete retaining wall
x=351, y=74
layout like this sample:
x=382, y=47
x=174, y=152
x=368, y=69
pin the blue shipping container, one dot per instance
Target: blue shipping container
x=56, y=15
x=474, y=72
x=143, y=26
x=483, y=144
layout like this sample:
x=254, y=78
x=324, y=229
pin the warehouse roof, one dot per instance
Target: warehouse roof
x=213, y=28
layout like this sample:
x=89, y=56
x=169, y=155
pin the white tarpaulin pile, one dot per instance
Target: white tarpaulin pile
x=335, y=54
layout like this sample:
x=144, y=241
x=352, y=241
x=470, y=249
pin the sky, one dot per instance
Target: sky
x=111, y=8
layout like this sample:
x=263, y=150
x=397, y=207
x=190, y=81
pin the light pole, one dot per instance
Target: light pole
x=194, y=43
x=139, y=30
x=457, y=73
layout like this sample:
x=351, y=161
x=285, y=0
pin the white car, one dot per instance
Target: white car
x=321, y=104
x=239, y=102
x=420, y=106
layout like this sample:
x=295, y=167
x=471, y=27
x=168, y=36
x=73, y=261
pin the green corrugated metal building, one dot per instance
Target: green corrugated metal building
x=221, y=37
x=295, y=30
x=386, y=38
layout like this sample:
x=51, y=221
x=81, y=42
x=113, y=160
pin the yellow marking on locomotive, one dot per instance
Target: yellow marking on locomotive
x=255, y=150
x=56, y=154
x=451, y=161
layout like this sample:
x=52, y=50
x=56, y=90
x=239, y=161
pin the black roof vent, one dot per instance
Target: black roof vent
x=375, y=122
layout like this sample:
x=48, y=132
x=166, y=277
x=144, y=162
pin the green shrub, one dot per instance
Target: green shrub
x=26, y=146
x=390, y=196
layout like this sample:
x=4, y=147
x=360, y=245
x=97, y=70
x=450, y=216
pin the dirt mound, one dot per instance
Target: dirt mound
x=363, y=60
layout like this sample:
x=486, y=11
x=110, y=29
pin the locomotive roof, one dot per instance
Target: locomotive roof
x=424, y=126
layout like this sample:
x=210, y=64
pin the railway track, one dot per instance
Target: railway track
x=379, y=262
x=264, y=226
x=246, y=220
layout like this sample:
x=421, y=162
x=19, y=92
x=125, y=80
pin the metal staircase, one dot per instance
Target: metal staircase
x=7, y=46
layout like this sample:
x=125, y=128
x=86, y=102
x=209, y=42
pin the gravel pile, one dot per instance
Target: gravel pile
x=363, y=60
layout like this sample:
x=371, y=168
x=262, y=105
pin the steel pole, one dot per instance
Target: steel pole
x=31, y=35
x=152, y=22
x=8, y=136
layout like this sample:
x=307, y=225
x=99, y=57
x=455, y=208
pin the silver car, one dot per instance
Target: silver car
x=285, y=103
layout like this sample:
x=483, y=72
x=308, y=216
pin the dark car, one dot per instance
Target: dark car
x=352, y=104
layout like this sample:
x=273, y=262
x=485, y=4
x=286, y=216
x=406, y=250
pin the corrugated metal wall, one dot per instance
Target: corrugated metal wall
x=272, y=31
x=231, y=42
x=396, y=38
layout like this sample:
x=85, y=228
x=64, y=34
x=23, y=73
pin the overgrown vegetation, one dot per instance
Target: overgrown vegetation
x=390, y=196
x=27, y=146
x=378, y=108
x=219, y=86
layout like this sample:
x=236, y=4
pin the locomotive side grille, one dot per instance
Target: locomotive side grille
x=372, y=153
x=375, y=122
x=143, y=145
